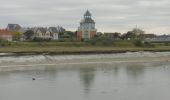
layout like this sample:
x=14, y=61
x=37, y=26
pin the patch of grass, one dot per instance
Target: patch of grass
x=76, y=48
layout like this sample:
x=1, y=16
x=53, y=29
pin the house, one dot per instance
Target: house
x=5, y=34
x=50, y=33
x=87, y=29
x=54, y=32
x=41, y=33
x=13, y=27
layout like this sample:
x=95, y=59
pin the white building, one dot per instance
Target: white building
x=46, y=33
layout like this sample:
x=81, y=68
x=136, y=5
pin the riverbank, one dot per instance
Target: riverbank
x=68, y=48
x=60, y=50
x=45, y=62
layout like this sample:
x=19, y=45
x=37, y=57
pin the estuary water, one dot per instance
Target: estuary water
x=126, y=76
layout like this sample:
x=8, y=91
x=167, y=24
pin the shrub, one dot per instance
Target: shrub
x=4, y=43
x=41, y=40
x=138, y=43
x=92, y=41
x=103, y=40
x=148, y=44
x=166, y=44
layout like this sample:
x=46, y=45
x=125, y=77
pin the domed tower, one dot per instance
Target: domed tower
x=87, y=27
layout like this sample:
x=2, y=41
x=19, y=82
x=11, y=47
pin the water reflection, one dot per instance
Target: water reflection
x=115, y=70
x=129, y=81
x=87, y=76
x=135, y=72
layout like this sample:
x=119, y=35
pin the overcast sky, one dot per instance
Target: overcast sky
x=153, y=16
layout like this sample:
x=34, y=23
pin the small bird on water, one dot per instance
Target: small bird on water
x=33, y=78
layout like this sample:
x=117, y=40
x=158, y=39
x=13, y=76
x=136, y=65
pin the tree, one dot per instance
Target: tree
x=17, y=36
x=117, y=35
x=28, y=34
x=71, y=34
x=138, y=31
x=102, y=40
x=135, y=34
x=123, y=36
x=113, y=36
x=68, y=34
x=131, y=35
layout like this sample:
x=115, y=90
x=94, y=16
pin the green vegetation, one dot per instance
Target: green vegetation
x=140, y=43
x=101, y=41
x=77, y=47
x=4, y=43
x=28, y=34
x=16, y=36
x=131, y=41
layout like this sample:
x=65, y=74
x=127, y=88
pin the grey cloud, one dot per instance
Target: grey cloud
x=110, y=15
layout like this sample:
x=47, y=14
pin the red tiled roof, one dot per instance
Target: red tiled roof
x=5, y=32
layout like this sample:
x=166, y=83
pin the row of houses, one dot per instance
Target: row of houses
x=85, y=31
x=52, y=33
x=49, y=33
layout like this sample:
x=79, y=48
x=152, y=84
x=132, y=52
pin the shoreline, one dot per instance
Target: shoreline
x=78, y=65
x=43, y=62
x=78, y=52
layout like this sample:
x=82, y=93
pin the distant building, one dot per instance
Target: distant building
x=87, y=27
x=54, y=32
x=6, y=34
x=45, y=33
x=161, y=38
x=41, y=33
x=13, y=27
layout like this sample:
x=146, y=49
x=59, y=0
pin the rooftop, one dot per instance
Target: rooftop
x=5, y=32
x=87, y=13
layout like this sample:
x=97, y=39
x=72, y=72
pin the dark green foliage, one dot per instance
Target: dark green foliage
x=93, y=41
x=4, y=43
x=60, y=34
x=139, y=43
x=41, y=40
x=82, y=40
x=102, y=40
x=113, y=36
x=166, y=44
x=71, y=34
x=134, y=34
x=16, y=36
x=131, y=35
x=67, y=34
x=28, y=34
x=148, y=44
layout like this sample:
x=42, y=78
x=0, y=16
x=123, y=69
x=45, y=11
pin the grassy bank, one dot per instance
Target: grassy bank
x=76, y=48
